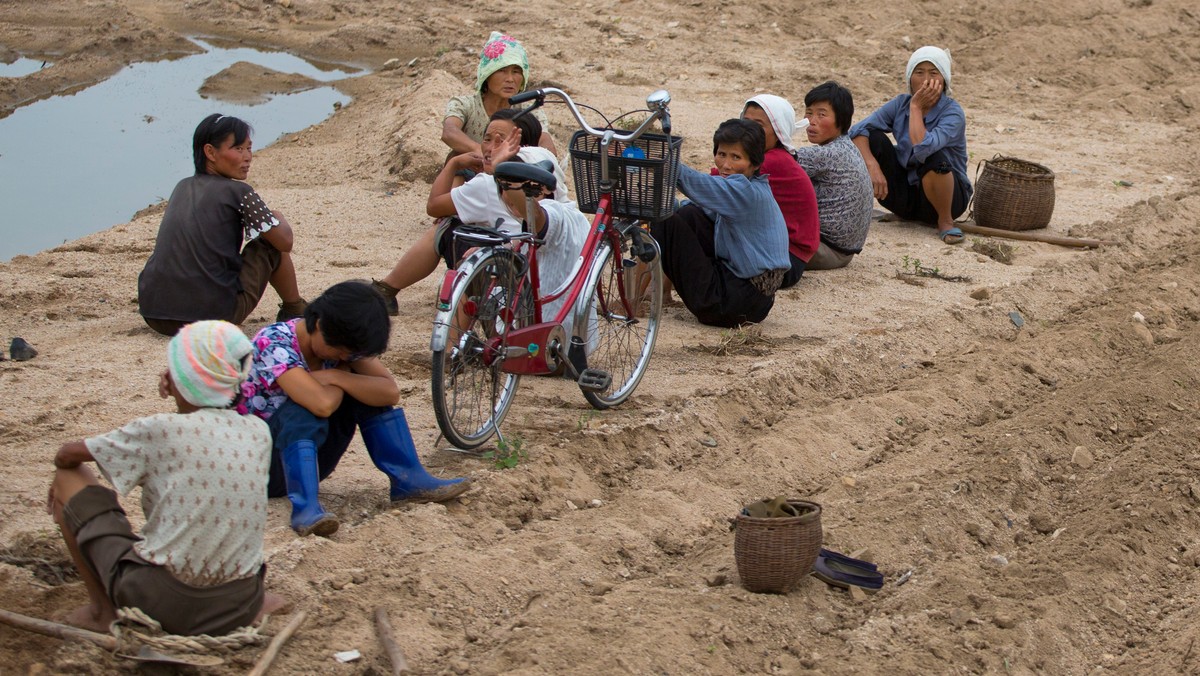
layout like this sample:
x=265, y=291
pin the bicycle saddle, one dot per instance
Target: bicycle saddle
x=541, y=173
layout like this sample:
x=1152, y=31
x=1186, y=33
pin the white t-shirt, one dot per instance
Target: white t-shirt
x=204, y=489
x=478, y=201
x=566, y=231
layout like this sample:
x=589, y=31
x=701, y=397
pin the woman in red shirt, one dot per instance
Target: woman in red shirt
x=791, y=187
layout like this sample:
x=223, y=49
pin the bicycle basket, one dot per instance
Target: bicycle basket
x=645, y=170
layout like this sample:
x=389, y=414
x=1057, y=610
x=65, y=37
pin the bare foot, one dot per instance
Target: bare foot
x=273, y=603
x=91, y=618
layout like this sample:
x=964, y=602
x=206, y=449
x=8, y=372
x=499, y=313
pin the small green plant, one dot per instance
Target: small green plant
x=508, y=453
x=629, y=121
x=912, y=267
x=585, y=420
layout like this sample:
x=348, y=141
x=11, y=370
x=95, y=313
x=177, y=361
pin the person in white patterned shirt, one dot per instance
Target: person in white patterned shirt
x=197, y=567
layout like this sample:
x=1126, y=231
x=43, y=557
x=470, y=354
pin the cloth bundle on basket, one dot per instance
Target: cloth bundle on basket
x=1013, y=194
x=776, y=543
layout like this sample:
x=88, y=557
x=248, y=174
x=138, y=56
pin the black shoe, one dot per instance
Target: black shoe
x=291, y=310
x=389, y=293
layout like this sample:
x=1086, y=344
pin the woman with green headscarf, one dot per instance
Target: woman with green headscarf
x=503, y=72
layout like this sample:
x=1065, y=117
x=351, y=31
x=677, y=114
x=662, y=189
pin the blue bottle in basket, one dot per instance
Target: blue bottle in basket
x=636, y=153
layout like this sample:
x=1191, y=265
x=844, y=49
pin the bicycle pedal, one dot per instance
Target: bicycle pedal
x=594, y=380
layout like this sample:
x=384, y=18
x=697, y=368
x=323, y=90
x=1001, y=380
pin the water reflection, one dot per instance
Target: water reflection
x=74, y=165
x=21, y=67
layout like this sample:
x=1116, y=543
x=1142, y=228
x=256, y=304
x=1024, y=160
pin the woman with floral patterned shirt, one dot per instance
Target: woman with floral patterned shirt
x=315, y=380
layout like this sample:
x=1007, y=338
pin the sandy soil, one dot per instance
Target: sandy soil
x=1041, y=484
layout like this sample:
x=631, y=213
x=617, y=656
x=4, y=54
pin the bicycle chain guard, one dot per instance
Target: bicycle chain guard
x=529, y=349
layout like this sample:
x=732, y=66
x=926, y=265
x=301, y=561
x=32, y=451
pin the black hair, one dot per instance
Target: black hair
x=214, y=129
x=839, y=98
x=531, y=128
x=353, y=316
x=746, y=133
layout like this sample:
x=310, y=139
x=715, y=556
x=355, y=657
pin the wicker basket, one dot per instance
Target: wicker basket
x=1014, y=194
x=774, y=554
x=645, y=169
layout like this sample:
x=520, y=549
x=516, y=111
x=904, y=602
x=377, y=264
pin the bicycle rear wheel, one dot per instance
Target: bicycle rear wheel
x=471, y=394
x=619, y=323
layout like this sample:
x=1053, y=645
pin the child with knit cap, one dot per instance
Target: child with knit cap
x=503, y=72
x=197, y=567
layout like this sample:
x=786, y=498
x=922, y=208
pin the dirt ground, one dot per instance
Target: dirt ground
x=1038, y=485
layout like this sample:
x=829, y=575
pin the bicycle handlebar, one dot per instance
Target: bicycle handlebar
x=657, y=102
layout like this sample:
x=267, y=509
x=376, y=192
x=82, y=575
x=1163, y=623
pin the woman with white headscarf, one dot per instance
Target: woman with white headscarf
x=923, y=176
x=791, y=187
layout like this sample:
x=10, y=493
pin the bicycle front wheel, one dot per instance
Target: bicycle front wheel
x=619, y=323
x=471, y=393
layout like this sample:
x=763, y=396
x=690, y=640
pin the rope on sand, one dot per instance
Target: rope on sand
x=133, y=628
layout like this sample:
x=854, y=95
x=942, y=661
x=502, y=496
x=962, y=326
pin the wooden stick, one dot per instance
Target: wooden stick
x=57, y=630
x=1036, y=237
x=387, y=638
x=272, y=651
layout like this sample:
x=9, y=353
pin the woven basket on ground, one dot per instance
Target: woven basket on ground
x=774, y=554
x=1013, y=194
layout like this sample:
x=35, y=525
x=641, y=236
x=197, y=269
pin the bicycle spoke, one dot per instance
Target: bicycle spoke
x=471, y=393
x=619, y=342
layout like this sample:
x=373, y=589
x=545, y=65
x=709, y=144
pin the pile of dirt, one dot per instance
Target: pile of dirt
x=1016, y=452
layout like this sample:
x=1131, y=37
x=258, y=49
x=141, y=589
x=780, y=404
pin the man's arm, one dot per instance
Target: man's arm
x=440, y=202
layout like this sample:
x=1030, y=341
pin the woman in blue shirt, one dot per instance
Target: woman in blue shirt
x=726, y=251
x=922, y=177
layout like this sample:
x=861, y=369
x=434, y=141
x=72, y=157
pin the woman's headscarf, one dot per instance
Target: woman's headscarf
x=939, y=57
x=782, y=117
x=208, y=360
x=501, y=51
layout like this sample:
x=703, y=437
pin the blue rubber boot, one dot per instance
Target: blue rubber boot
x=300, y=473
x=390, y=445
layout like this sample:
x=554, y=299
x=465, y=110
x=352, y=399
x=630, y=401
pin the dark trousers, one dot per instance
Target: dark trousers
x=292, y=422
x=260, y=260
x=706, y=286
x=909, y=201
x=793, y=275
x=106, y=542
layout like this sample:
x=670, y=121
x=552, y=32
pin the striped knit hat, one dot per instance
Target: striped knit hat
x=208, y=360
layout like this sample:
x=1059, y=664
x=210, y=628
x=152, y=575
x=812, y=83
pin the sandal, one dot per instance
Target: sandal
x=952, y=236
x=841, y=572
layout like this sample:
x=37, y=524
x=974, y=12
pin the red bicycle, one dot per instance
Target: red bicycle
x=490, y=329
